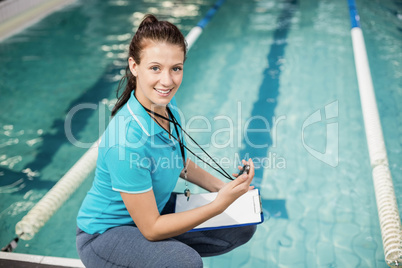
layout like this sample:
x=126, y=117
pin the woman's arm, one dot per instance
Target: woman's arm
x=143, y=209
x=202, y=178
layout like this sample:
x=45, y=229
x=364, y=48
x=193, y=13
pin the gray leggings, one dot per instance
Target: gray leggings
x=125, y=246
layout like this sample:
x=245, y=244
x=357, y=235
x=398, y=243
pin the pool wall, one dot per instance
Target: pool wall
x=37, y=261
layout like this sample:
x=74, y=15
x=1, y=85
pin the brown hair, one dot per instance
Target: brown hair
x=150, y=29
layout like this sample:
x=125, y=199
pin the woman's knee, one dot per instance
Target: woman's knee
x=187, y=258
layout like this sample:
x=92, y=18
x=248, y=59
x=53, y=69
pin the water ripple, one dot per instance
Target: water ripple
x=13, y=187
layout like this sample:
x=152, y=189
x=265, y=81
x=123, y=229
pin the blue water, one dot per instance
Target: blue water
x=272, y=66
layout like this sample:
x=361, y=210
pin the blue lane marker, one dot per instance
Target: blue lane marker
x=211, y=12
x=354, y=16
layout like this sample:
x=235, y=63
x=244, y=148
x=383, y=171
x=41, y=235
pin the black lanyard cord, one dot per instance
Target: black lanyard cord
x=177, y=132
x=177, y=123
x=182, y=146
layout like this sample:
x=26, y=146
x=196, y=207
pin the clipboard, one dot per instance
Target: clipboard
x=246, y=210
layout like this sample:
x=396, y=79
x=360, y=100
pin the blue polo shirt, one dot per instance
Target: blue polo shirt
x=135, y=155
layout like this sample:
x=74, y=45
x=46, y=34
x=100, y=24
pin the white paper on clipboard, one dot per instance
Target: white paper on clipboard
x=246, y=210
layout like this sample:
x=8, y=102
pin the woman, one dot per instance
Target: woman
x=126, y=219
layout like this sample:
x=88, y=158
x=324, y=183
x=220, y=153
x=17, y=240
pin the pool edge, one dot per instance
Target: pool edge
x=46, y=261
x=26, y=18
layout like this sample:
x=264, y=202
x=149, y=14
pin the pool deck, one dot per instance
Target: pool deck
x=17, y=260
x=15, y=15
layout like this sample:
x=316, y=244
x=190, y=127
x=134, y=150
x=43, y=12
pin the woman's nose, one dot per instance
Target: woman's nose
x=166, y=79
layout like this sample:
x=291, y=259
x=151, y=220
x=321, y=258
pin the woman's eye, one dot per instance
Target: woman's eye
x=155, y=68
x=176, y=69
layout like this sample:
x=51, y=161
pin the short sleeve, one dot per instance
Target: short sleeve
x=128, y=170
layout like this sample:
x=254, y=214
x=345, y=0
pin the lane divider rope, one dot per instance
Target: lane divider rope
x=390, y=221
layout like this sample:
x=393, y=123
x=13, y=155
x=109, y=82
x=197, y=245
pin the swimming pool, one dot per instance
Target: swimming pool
x=277, y=63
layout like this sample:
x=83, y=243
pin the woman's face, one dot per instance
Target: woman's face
x=159, y=74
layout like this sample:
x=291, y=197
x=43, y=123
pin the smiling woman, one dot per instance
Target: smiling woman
x=127, y=218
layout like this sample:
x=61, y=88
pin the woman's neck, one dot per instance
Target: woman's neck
x=156, y=109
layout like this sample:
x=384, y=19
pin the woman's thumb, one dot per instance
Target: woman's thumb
x=240, y=179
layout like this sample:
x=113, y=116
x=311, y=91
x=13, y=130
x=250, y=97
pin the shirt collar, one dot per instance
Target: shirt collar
x=144, y=120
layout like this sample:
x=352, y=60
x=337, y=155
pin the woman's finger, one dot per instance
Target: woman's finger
x=239, y=180
x=237, y=174
x=251, y=163
x=251, y=171
x=241, y=168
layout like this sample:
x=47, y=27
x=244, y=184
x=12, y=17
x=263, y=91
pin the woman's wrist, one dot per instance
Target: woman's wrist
x=219, y=185
x=217, y=207
x=202, y=178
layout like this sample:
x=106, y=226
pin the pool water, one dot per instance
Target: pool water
x=270, y=80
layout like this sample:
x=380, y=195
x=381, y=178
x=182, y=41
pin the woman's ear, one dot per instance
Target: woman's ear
x=133, y=66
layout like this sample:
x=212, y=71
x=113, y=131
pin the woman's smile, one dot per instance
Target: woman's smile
x=163, y=92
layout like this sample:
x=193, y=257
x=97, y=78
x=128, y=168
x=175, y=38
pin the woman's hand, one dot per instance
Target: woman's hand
x=240, y=168
x=236, y=188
